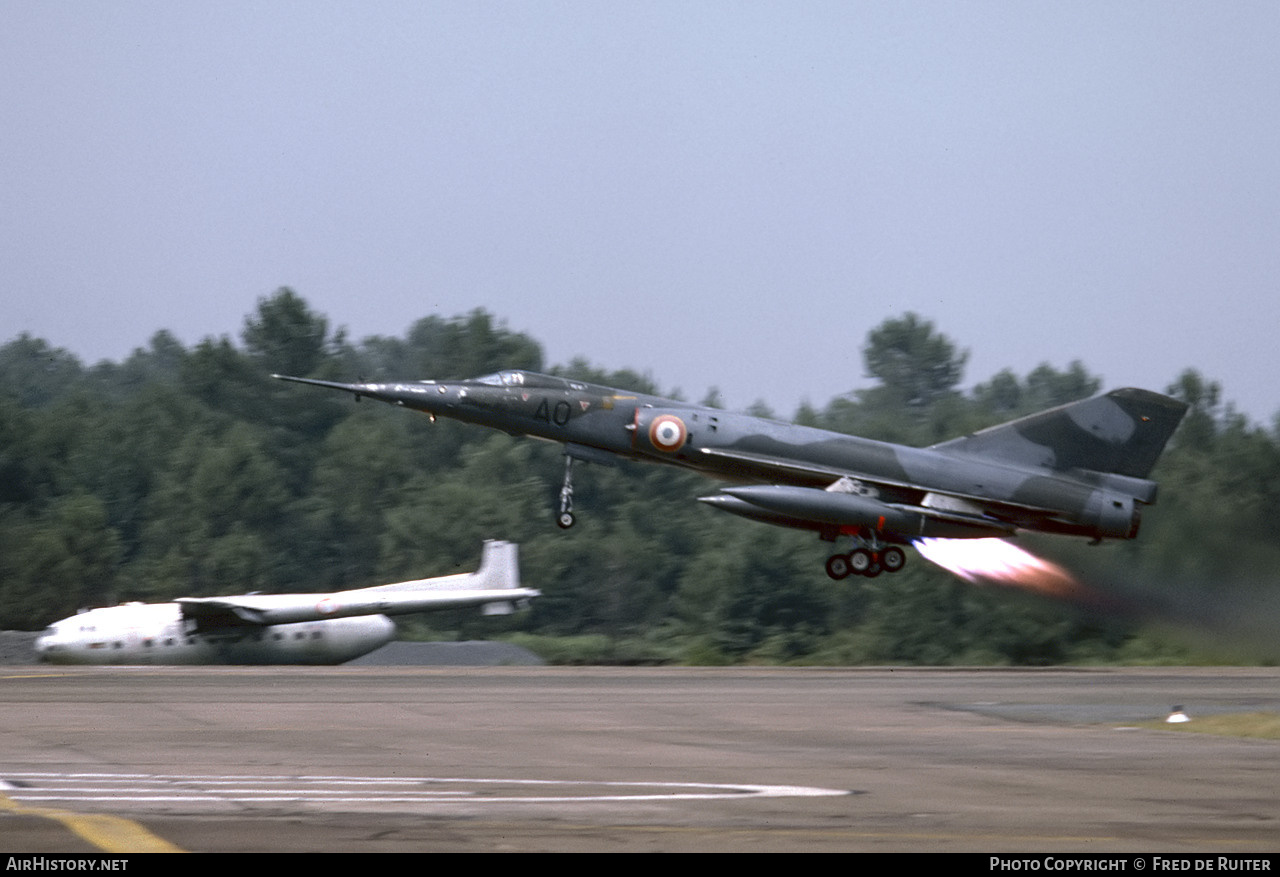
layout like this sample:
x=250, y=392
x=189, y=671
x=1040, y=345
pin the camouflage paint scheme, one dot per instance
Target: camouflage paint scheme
x=1080, y=469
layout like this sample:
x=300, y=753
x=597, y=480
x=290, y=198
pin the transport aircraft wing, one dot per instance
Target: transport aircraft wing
x=495, y=587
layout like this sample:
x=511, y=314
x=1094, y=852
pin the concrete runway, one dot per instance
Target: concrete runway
x=675, y=759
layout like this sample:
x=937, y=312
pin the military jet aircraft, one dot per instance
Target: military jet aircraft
x=277, y=628
x=1079, y=469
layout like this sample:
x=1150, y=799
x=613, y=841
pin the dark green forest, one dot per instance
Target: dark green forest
x=187, y=471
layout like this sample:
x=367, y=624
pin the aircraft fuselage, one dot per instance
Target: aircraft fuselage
x=741, y=447
x=157, y=634
x=1079, y=469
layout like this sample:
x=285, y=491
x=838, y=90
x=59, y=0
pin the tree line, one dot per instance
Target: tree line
x=188, y=471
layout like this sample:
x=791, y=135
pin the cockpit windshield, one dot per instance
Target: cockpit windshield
x=517, y=378
x=507, y=378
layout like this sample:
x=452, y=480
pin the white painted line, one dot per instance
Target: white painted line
x=270, y=789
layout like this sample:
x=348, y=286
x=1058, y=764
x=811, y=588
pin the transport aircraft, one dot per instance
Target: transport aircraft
x=277, y=628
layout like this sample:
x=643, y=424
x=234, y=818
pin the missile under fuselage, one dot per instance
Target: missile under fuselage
x=846, y=513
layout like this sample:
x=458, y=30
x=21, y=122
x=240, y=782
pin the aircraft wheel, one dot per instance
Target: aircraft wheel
x=838, y=566
x=874, y=570
x=860, y=561
x=564, y=520
x=893, y=559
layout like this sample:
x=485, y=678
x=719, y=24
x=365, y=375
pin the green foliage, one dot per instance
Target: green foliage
x=1007, y=397
x=188, y=471
x=32, y=373
x=285, y=336
x=914, y=365
x=56, y=560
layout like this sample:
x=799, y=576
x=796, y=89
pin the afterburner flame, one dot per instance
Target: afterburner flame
x=999, y=562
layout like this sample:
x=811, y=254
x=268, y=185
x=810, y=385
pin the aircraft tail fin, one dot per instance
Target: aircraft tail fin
x=498, y=570
x=499, y=565
x=1122, y=432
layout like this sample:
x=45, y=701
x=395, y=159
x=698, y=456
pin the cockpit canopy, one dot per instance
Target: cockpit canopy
x=507, y=378
x=519, y=378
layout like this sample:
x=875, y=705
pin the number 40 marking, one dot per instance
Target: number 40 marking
x=559, y=415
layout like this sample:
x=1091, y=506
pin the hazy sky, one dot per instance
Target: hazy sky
x=719, y=194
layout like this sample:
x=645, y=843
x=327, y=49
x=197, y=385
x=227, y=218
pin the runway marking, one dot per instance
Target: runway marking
x=111, y=834
x=277, y=789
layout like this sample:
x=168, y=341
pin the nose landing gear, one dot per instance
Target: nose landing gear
x=564, y=514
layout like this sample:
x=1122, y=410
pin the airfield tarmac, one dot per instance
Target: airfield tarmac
x=397, y=759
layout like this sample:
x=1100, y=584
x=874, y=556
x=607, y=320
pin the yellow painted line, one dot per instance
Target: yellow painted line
x=111, y=834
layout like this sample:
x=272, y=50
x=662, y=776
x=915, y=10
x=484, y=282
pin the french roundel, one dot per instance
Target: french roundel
x=668, y=433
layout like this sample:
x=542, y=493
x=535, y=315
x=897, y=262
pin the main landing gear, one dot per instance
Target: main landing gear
x=866, y=561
